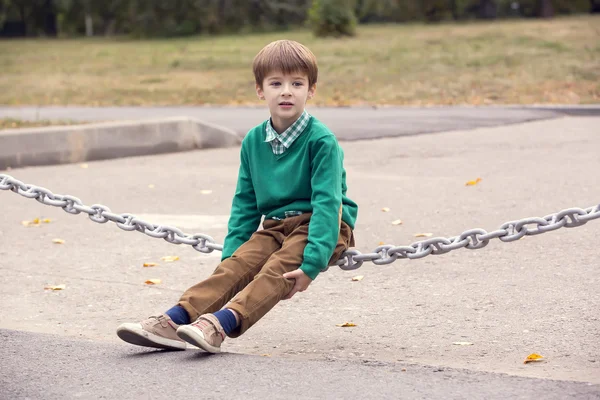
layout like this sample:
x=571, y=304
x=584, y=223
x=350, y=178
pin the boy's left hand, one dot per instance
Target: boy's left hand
x=301, y=284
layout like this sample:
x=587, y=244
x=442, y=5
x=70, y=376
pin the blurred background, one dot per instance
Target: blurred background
x=370, y=52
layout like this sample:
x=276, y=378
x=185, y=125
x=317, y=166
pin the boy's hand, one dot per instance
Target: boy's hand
x=302, y=282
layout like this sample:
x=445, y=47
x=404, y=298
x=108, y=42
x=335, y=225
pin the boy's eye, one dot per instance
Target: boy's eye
x=297, y=83
x=275, y=83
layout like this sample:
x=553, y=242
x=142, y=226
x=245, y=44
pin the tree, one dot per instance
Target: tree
x=332, y=18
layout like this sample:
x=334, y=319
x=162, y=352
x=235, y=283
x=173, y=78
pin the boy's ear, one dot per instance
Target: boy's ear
x=312, y=91
x=259, y=92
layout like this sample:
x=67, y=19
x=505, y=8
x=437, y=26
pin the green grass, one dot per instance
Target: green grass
x=505, y=62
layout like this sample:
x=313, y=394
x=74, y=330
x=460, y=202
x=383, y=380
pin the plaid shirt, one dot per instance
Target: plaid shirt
x=280, y=143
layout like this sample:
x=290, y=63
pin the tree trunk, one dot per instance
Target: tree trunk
x=488, y=9
x=545, y=9
x=454, y=10
x=50, y=28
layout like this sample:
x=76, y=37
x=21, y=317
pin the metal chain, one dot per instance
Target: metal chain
x=472, y=239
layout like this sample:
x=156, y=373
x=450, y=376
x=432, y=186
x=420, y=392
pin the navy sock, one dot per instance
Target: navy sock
x=178, y=315
x=226, y=319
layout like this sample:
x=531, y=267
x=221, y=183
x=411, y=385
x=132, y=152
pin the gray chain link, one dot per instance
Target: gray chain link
x=472, y=239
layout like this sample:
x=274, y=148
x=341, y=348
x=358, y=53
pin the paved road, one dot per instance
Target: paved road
x=347, y=123
x=508, y=300
x=92, y=370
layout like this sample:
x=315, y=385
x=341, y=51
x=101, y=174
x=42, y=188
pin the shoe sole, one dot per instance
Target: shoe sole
x=135, y=334
x=190, y=335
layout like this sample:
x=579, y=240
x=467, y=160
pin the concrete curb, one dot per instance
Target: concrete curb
x=100, y=141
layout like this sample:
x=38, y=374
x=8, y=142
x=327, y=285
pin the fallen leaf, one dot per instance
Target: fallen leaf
x=473, y=183
x=463, y=343
x=381, y=243
x=358, y=278
x=533, y=358
x=34, y=222
x=385, y=209
x=206, y=191
x=55, y=287
x=403, y=370
x=84, y=166
x=152, y=281
x=150, y=264
x=170, y=258
x=423, y=234
x=46, y=220
x=346, y=324
x=397, y=222
x=265, y=355
x=58, y=241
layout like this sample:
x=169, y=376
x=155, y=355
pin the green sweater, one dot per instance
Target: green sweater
x=308, y=177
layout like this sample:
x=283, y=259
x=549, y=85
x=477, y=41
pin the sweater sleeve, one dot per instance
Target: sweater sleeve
x=245, y=217
x=326, y=199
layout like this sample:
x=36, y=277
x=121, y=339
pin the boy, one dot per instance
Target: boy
x=291, y=172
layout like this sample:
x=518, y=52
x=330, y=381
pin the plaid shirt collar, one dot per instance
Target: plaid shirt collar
x=280, y=143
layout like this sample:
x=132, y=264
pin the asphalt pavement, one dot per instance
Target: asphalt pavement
x=348, y=123
x=461, y=324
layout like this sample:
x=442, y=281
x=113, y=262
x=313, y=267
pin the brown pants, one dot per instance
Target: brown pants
x=251, y=281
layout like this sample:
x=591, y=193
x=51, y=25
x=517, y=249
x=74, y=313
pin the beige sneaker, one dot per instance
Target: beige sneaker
x=206, y=332
x=157, y=331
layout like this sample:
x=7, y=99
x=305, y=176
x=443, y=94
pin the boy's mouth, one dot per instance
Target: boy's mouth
x=286, y=103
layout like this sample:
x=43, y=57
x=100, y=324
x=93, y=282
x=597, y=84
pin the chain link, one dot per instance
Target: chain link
x=471, y=239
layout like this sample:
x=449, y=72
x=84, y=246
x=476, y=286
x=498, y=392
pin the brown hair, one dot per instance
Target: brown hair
x=286, y=56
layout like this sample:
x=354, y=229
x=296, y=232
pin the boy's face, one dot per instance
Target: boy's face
x=286, y=96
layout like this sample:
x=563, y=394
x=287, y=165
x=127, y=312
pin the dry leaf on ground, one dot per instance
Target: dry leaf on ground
x=346, y=324
x=397, y=222
x=150, y=264
x=385, y=209
x=170, y=258
x=533, y=358
x=58, y=241
x=153, y=282
x=463, y=343
x=34, y=222
x=46, y=220
x=55, y=287
x=473, y=183
x=423, y=234
x=265, y=355
x=358, y=278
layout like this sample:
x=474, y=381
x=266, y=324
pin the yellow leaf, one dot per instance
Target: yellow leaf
x=381, y=243
x=423, y=234
x=266, y=355
x=463, y=343
x=385, y=209
x=36, y=221
x=46, y=220
x=346, y=324
x=31, y=223
x=206, y=191
x=58, y=241
x=473, y=183
x=150, y=264
x=152, y=281
x=358, y=278
x=55, y=287
x=532, y=358
x=170, y=258
x=397, y=222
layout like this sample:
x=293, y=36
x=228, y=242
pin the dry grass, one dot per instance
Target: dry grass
x=11, y=123
x=508, y=62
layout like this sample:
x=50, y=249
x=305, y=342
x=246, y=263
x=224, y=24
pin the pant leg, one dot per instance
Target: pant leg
x=233, y=273
x=269, y=286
